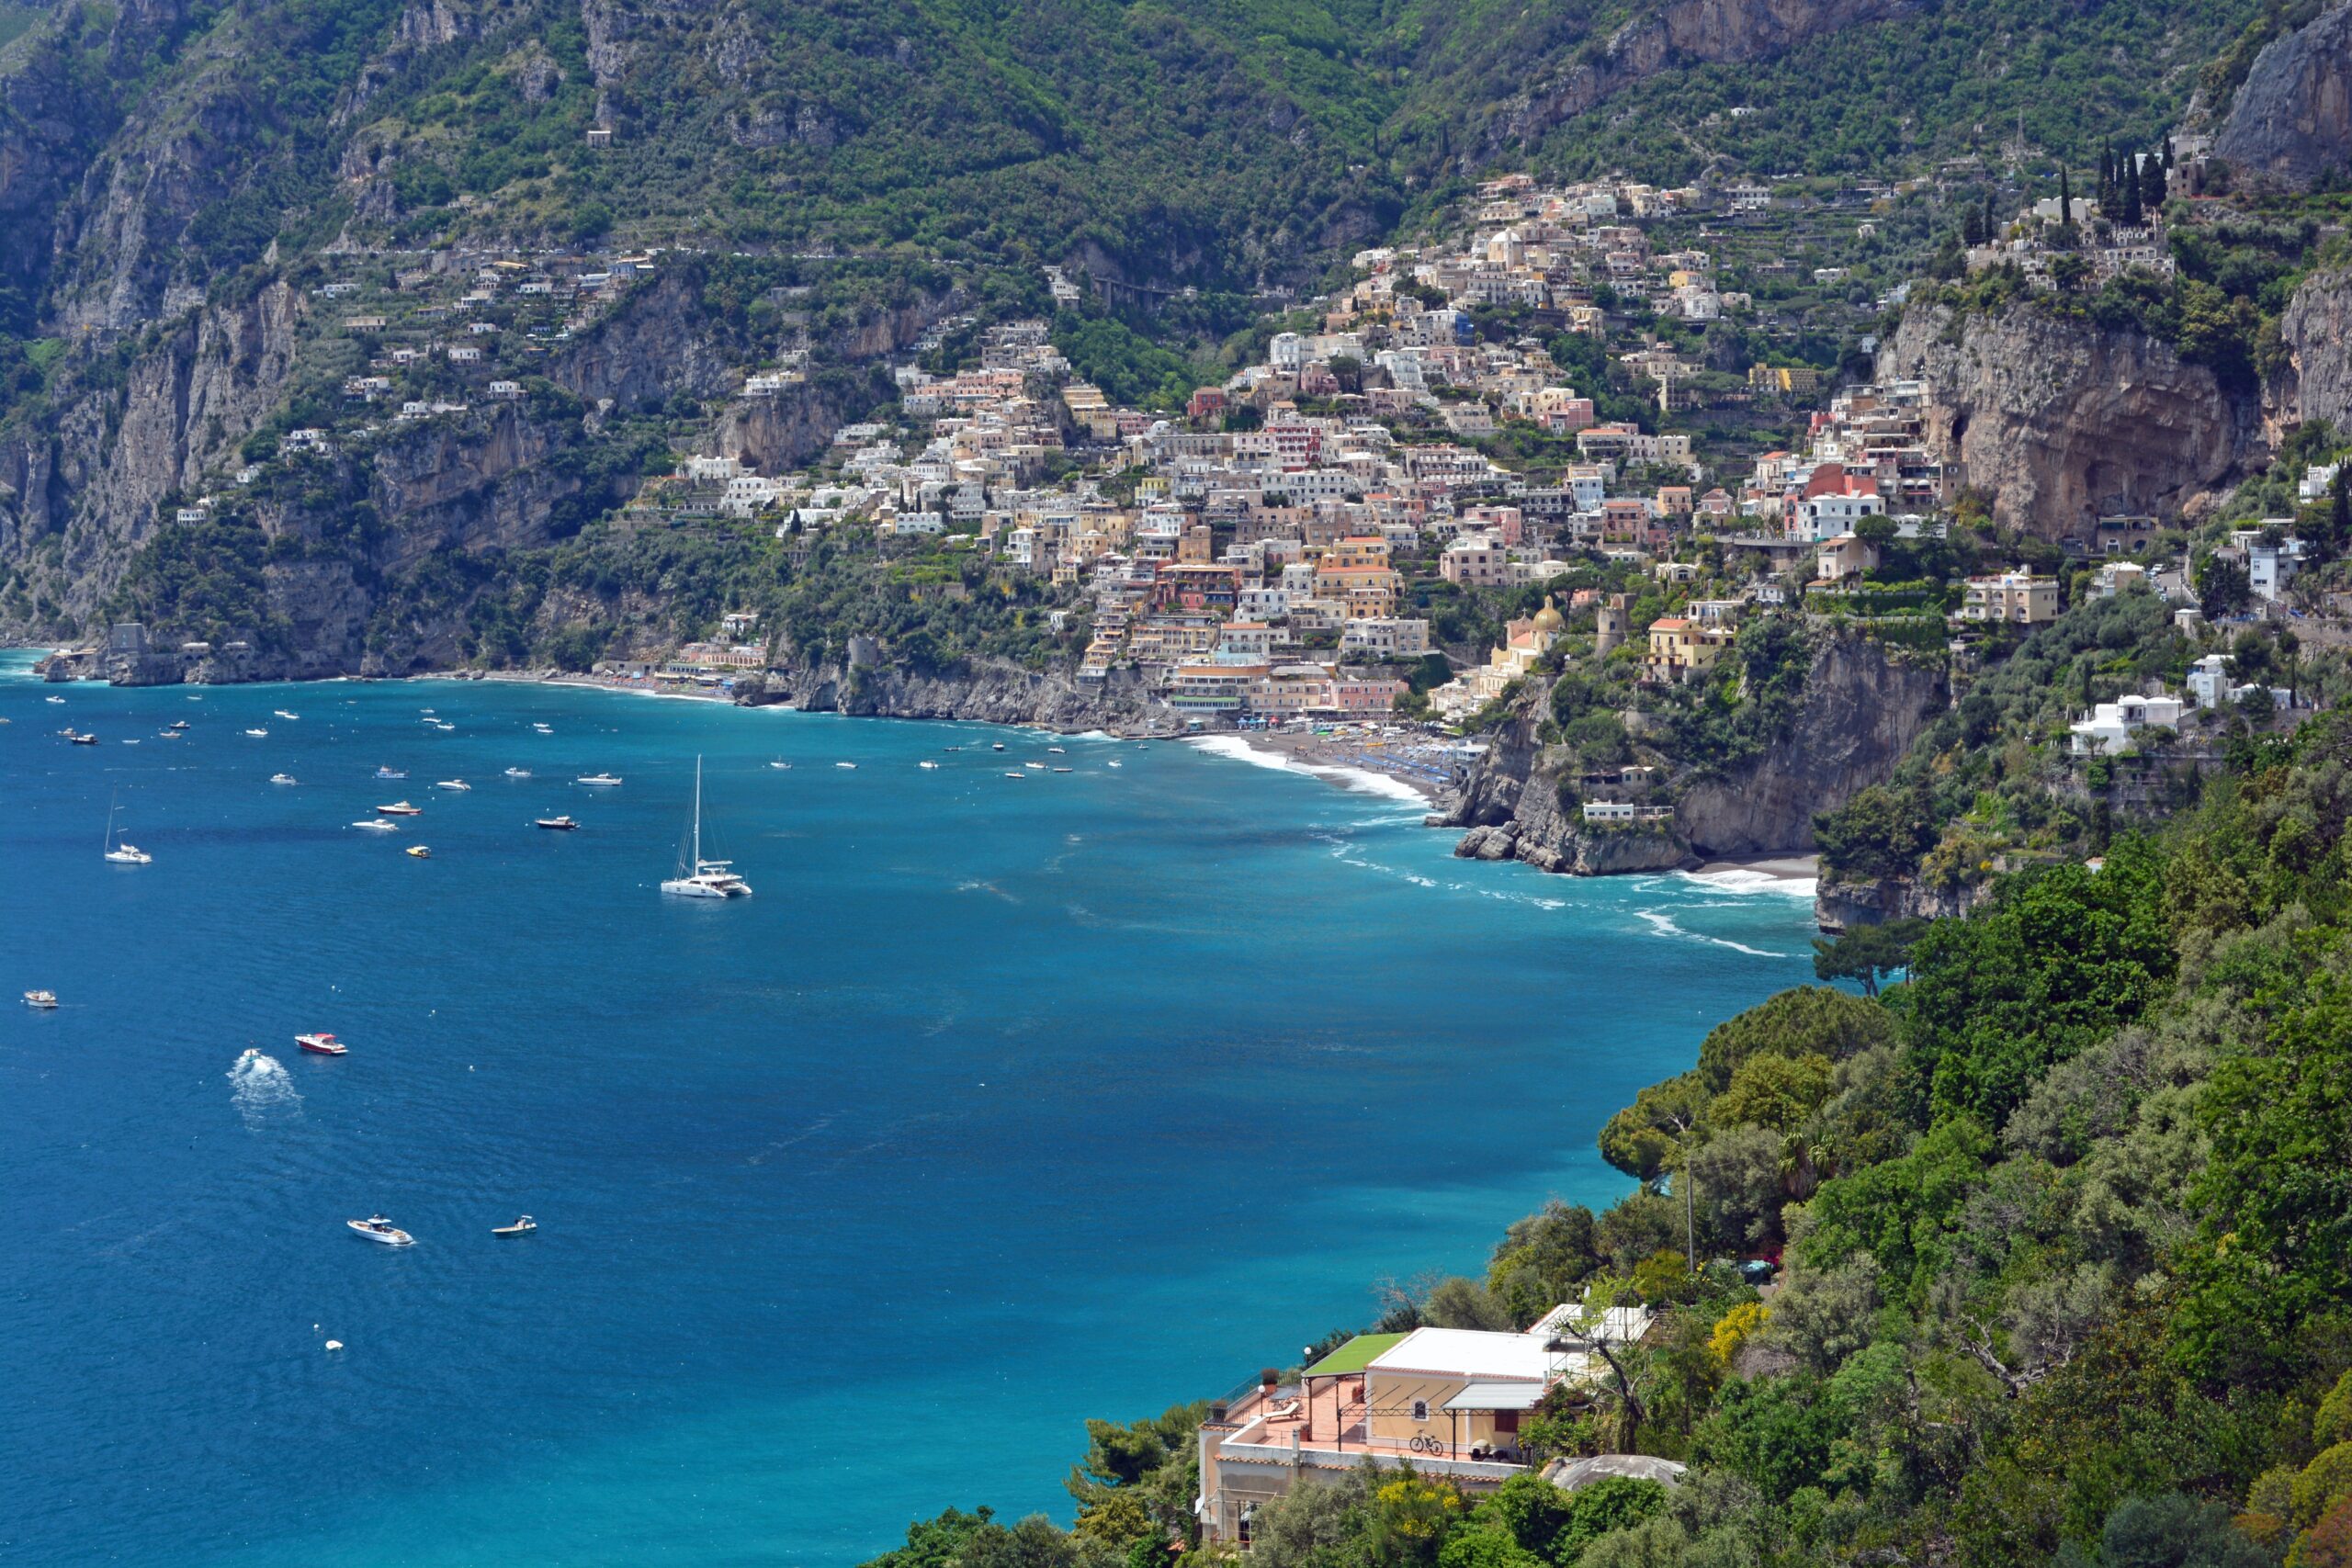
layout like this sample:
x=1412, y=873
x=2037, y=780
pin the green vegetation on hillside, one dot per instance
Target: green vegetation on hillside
x=2066, y=1232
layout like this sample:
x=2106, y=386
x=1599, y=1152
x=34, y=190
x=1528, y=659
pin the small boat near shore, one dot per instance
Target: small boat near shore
x=523, y=1226
x=554, y=824
x=400, y=808
x=926, y=762
x=377, y=824
x=418, y=852
x=375, y=1227
x=852, y=766
x=42, y=1000
x=781, y=766
x=391, y=772
x=258, y=734
x=602, y=781
x=283, y=779
x=283, y=714
x=453, y=783
x=320, y=1043
x=84, y=738
x=518, y=772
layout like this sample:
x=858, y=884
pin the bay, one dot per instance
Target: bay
x=1002, y=1104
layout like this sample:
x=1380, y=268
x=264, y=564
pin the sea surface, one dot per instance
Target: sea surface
x=1004, y=1103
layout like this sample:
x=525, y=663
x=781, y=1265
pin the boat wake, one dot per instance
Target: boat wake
x=263, y=1090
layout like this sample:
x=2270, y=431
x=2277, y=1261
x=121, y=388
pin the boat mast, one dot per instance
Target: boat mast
x=698, y=871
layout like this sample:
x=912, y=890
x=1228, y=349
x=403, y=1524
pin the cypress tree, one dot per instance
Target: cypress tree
x=2339, y=506
x=2153, y=187
x=2132, y=213
x=1992, y=225
x=2066, y=197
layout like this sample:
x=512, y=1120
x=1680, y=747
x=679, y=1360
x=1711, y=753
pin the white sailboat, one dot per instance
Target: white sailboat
x=121, y=853
x=700, y=878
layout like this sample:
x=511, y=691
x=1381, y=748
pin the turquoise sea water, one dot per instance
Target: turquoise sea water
x=1000, y=1105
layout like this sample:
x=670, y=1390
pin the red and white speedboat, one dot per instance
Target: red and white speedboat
x=322, y=1044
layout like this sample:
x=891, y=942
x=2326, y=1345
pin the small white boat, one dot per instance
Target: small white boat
x=453, y=783
x=42, y=999
x=446, y=729
x=57, y=699
x=700, y=878
x=283, y=779
x=391, y=772
x=118, y=852
x=998, y=746
x=542, y=729
x=1117, y=763
x=171, y=734
x=283, y=714
x=1061, y=769
x=258, y=734
x=1034, y=767
x=400, y=808
x=604, y=780
x=849, y=765
x=518, y=772
x=926, y=762
x=554, y=824
x=418, y=852
x=378, y=825
x=375, y=1227
x=1016, y=776
x=781, y=766
x=177, y=723
x=1054, y=749
x=523, y=1226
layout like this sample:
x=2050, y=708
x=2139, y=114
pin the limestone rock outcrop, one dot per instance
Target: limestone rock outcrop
x=2292, y=119
x=2061, y=422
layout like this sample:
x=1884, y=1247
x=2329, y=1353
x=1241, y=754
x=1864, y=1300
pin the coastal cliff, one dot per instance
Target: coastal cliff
x=1861, y=709
x=988, y=692
x=2061, y=422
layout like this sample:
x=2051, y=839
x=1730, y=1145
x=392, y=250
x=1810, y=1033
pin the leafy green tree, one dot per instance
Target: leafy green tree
x=1865, y=952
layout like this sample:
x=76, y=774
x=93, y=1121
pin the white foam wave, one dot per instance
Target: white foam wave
x=1738, y=879
x=1357, y=780
x=262, y=1088
x=1664, y=924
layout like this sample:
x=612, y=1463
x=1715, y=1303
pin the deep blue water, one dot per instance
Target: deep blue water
x=999, y=1106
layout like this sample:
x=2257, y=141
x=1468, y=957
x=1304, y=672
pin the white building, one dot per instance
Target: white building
x=2108, y=728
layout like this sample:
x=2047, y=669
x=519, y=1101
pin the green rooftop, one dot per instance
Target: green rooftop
x=1354, y=1356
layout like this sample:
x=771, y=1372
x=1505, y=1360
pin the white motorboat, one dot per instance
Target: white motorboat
x=453, y=783
x=118, y=852
x=518, y=772
x=378, y=825
x=375, y=1227
x=603, y=780
x=849, y=765
x=390, y=773
x=1034, y=767
x=258, y=734
x=1055, y=748
x=446, y=729
x=1117, y=763
x=283, y=779
x=700, y=878
x=781, y=766
x=926, y=762
x=171, y=734
x=283, y=714
x=44, y=1000
x=400, y=808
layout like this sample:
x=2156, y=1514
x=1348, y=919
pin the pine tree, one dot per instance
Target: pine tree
x=2132, y=213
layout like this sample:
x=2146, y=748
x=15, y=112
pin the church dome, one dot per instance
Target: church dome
x=1549, y=622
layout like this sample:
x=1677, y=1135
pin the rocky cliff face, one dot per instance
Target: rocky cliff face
x=2316, y=331
x=1683, y=32
x=1860, y=711
x=988, y=692
x=2062, y=423
x=2292, y=119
